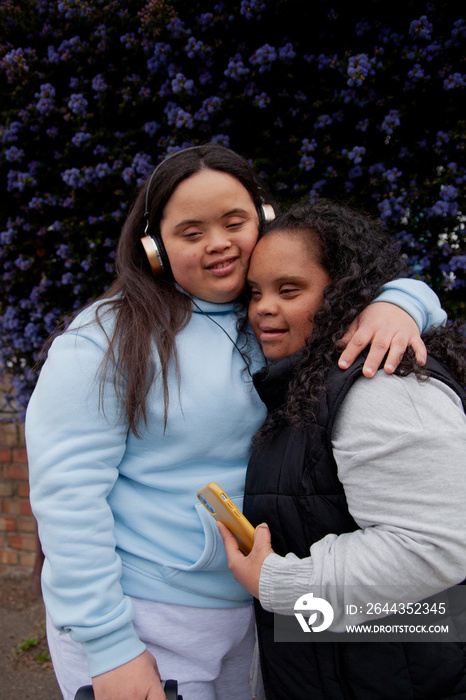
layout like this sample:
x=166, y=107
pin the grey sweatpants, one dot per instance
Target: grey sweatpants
x=207, y=651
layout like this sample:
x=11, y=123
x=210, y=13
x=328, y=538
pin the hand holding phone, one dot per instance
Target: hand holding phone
x=223, y=509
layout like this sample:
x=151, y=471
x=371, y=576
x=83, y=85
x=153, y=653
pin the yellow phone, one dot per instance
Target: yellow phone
x=223, y=509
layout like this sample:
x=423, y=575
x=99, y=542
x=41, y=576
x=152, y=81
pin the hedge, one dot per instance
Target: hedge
x=347, y=101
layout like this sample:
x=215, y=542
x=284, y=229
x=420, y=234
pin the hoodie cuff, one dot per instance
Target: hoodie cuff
x=417, y=299
x=112, y=650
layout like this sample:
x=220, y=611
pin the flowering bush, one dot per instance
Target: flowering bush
x=349, y=103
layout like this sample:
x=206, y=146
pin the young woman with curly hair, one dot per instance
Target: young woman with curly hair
x=361, y=482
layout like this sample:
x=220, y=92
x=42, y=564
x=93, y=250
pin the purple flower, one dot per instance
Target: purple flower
x=222, y=139
x=359, y=67
x=385, y=209
x=176, y=28
x=159, y=58
x=308, y=146
x=150, y=128
x=205, y=78
x=324, y=61
x=195, y=47
x=362, y=125
x=252, y=8
x=78, y=104
x=236, y=68
x=80, y=137
x=392, y=175
x=262, y=101
x=141, y=165
x=10, y=135
x=14, y=63
x=307, y=162
x=127, y=175
x=417, y=73
x=63, y=251
x=264, y=57
x=102, y=170
x=421, y=28
x=391, y=121
x=67, y=278
x=73, y=178
x=23, y=263
x=442, y=138
x=99, y=84
x=455, y=80
x=205, y=20
x=355, y=154
x=286, y=53
x=323, y=121
x=129, y=40
x=45, y=98
x=180, y=83
x=448, y=193
x=212, y=104
x=14, y=154
x=52, y=55
x=18, y=180
x=178, y=117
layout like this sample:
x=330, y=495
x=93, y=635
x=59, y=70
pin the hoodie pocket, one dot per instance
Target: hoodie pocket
x=213, y=557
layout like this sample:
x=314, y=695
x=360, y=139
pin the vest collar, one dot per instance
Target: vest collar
x=272, y=381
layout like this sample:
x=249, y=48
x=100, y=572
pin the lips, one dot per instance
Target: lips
x=222, y=263
x=223, y=267
x=271, y=329
x=268, y=333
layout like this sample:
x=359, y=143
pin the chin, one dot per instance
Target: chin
x=221, y=298
x=225, y=296
x=273, y=356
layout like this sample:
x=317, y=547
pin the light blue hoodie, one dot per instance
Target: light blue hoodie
x=118, y=516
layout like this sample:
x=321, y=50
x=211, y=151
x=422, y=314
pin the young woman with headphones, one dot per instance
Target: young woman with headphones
x=144, y=399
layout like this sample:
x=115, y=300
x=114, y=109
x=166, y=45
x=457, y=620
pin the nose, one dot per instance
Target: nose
x=265, y=306
x=218, y=240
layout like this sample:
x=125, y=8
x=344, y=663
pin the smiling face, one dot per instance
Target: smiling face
x=209, y=229
x=287, y=284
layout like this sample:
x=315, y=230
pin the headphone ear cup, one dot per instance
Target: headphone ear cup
x=154, y=255
x=268, y=212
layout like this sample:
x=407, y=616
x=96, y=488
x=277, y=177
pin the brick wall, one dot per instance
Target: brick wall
x=18, y=540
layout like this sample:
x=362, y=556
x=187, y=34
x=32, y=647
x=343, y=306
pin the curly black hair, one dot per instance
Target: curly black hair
x=359, y=257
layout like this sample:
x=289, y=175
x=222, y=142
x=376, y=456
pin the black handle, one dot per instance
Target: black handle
x=170, y=687
x=85, y=693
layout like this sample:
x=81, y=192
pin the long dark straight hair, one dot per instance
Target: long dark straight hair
x=152, y=310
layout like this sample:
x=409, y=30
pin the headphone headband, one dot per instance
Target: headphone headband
x=154, y=172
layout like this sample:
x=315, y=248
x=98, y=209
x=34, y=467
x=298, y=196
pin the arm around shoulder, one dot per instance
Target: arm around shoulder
x=417, y=299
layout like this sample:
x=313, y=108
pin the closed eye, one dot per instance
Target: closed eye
x=191, y=234
x=288, y=291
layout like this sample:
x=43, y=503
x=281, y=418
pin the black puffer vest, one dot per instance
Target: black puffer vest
x=292, y=485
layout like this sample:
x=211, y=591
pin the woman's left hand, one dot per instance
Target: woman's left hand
x=247, y=569
x=386, y=327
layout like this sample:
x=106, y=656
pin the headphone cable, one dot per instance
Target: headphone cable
x=226, y=333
